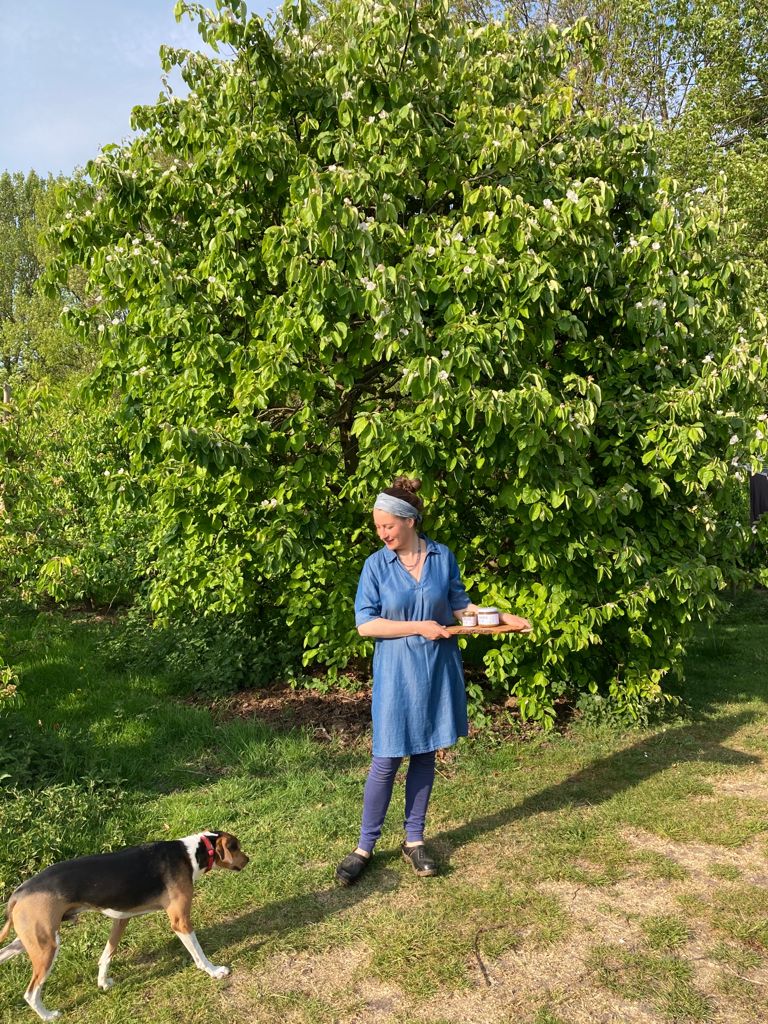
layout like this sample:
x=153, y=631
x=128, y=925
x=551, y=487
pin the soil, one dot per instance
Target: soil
x=341, y=715
x=344, y=715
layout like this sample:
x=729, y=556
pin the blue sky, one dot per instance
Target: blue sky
x=71, y=70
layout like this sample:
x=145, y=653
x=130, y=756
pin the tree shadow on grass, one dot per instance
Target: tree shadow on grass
x=131, y=733
x=602, y=780
x=617, y=773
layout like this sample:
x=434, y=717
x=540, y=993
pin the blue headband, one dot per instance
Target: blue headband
x=398, y=507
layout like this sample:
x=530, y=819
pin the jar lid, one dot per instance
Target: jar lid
x=490, y=608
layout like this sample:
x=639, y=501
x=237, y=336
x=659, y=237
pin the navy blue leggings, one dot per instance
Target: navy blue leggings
x=378, y=792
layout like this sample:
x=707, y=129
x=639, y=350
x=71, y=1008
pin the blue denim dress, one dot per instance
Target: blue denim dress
x=419, y=699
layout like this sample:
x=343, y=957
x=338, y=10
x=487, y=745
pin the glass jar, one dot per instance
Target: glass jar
x=488, y=616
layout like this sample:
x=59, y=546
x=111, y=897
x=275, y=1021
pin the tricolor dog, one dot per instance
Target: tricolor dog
x=123, y=884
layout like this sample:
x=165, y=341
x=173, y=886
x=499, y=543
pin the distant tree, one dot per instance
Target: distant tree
x=19, y=265
x=33, y=343
x=698, y=70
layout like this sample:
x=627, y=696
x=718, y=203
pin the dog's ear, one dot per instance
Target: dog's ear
x=226, y=846
x=229, y=853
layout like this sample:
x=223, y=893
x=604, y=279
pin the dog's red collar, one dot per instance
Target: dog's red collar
x=210, y=850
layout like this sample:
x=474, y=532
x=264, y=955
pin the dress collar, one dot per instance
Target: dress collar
x=391, y=556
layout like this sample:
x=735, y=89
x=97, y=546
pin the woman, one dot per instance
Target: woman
x=409, y=591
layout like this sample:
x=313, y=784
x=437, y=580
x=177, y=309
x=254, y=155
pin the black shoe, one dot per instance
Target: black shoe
x=350, y=869
x=419, y=860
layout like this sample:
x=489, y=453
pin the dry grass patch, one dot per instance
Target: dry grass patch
x=704, y=862
x=644, y=950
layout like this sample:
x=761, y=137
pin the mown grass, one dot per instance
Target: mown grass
x=590, y=869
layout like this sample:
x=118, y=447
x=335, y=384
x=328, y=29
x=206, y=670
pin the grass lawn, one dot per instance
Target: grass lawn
x=586, y=877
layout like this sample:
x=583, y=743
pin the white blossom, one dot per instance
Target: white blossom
x=467, y=270
x=370, y=286
x=443, y=375
x=383, y=114
x=547, y=204
x=431, y=250
x=445, y=353
x=656, y=246
x=709, y=357
x=572, y=195
x=472, y=250
x=734, y=439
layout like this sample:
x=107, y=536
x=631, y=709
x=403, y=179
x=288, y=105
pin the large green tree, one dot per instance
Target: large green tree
x=388, y=240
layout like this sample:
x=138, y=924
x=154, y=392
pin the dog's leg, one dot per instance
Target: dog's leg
x=178, y=913
x=42, y=956
x=12, y=949
x=114, y=937
x=201, y=960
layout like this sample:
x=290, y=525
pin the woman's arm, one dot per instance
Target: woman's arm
x=391, y=629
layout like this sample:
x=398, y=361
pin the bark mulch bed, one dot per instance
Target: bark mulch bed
x=343, y=715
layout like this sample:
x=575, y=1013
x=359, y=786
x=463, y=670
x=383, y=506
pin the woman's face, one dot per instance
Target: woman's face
x=398, y=534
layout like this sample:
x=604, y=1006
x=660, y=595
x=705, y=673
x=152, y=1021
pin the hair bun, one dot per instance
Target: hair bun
x=405, y=483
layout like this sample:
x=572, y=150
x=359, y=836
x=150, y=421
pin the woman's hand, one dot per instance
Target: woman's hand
x=432, y=630
x=521, y=625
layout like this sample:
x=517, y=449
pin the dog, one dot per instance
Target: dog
x=124, y=884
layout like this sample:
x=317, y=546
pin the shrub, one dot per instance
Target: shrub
x=210, y=655
x=66, y=534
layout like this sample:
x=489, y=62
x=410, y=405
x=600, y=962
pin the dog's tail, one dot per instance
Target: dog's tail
x=8, y=920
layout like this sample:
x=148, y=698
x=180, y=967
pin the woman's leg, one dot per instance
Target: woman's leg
x=418, y=787
x=376, y=797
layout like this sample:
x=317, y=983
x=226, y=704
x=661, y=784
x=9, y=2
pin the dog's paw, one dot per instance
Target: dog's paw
x=219, y=972
x=105, y=984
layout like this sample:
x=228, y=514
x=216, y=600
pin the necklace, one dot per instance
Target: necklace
x=412, y=565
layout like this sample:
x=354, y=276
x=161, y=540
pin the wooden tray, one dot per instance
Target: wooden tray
x=501, y=628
